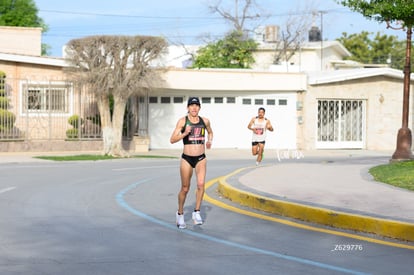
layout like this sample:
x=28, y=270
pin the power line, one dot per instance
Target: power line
x=185, y=17
x=167, y=26
x=128, y=16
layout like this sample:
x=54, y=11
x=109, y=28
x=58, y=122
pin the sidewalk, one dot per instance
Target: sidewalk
x=327, y=187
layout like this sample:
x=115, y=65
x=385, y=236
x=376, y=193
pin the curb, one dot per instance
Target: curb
x=337, y=219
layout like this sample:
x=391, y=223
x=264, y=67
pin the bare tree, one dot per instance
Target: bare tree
x=118, y=67
x=243, y=12
x=292, y=33
x=291, y=37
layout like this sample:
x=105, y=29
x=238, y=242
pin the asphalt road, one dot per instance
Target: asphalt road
x=118, y=217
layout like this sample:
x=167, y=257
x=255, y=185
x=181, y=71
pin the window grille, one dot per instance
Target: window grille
x=46, y=98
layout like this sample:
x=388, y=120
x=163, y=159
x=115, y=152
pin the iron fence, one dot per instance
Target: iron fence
x=58, y=110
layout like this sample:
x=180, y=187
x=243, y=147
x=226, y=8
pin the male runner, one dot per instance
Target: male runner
x=258, y=125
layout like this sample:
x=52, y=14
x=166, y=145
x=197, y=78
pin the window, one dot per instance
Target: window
x=218, y=100
x=247, y=101
x=153, y=99
x=165, y=100
x=178, y=99
x=50, y=98
x=231, y=100
x=206, y=100
x=271, y=102
x=282, y=101
x=258, y=101
x=341, y=121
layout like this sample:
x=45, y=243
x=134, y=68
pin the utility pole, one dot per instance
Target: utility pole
x=322, y=13
x=404, y=138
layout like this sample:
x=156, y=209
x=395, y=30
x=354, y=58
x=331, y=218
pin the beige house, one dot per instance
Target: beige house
x=327, y=102
x=39, y=95
x=358, y=108
x=317, y=101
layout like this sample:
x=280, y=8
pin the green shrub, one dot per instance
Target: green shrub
x=96, y=119
x=72, y=133
x=7, y=119
x=4, y=102
x=74, y=121
x=2, y=84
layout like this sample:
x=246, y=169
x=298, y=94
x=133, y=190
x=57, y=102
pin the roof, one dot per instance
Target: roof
x=328, y=44
x=30, y=59
x=336, y=45
x=325, y=77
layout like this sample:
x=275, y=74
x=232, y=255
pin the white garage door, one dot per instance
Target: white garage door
x=229, y=116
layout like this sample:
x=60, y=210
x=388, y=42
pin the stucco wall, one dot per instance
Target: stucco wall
x=31, y=72
x=21, y=40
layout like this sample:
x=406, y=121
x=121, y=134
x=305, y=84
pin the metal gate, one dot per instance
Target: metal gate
x=341, y=124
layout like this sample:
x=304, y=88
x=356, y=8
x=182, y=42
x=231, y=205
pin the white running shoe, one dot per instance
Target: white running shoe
x=197, y=218
x=180, y=221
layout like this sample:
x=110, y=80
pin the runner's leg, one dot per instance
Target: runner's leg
x=200, y=170
x=260, y=153
x=255, y=149
x=186, y=171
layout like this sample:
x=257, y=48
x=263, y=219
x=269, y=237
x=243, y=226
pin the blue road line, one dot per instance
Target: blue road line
x=122, y=203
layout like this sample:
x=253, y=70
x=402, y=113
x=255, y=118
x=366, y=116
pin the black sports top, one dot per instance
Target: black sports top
x=197, y=134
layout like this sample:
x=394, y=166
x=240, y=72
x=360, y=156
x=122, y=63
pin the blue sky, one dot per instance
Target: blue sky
x=183, y=21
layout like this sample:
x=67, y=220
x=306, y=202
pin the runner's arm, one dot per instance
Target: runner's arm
x=210, y=133
x=269, y=126
x=177, y=135
x=251, y=124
